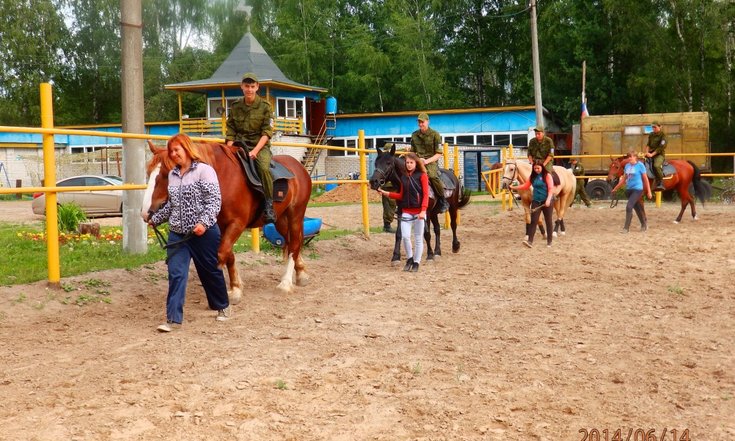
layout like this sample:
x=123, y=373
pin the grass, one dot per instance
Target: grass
x=24, y=260
x=676, y=289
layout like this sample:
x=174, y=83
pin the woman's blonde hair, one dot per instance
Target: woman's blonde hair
x=417, y=160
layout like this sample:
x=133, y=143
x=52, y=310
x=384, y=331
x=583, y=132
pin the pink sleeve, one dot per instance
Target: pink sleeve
x=525, y=185
x=549, y=182
x=425, y=189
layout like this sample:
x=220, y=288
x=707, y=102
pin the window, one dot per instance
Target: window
x=466, y=139
x=214, y=107
x=485, y=139
x=520, y=140
x=502, y=140
x=289, y=108
x=449, y=140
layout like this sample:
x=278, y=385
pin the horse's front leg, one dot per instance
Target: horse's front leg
x=427, y=238
x=226, y=258
x=437, y=235
x=396, y=258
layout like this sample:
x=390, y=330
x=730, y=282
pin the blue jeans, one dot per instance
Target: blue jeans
x=203, y=250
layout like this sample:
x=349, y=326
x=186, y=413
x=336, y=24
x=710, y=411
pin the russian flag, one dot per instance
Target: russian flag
x=584, y=110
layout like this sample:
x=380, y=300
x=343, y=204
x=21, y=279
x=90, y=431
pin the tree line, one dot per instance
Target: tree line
x=642, y=56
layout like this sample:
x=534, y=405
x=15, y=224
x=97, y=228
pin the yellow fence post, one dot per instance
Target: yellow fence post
x=456, y=173
x=49, y=176
x=363, y=185
x=445, y=153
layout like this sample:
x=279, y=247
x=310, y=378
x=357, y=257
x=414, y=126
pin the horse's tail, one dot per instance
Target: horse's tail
x=700, y=189
x=464, y=197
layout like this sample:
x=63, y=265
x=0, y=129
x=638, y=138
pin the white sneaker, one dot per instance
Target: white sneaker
x=528, y=244
x=223, y=314
x=168, y=326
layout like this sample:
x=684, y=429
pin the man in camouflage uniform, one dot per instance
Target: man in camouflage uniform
x=578, y=170
x=250, y=123
x=426, y=143
x=657, y=150
x=541, y=148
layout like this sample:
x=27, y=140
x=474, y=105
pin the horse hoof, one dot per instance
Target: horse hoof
x=395, y=262
x=285, y=287
x=696, y=218
x=554, y=235
x=455, y=248
x=563, y=233
x=676, y=222
x=235, y=296
x=302, y=279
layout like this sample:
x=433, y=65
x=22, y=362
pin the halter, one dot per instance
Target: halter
x=384, y=176
x=515, y=172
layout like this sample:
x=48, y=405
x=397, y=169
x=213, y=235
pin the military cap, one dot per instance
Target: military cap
x=249, y=76
x=656, y=124
x=539, y=128
x=423, y=116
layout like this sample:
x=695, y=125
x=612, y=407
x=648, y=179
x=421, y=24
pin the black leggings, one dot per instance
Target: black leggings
x=535, y=215
x=634, y=203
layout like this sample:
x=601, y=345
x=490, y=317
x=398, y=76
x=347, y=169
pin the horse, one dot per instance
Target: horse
x=242, y=207
x=390, y=168
x=686, y=173
x=563, y=193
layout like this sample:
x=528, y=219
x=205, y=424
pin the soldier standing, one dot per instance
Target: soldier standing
x=250, y=123
x=578, y=170
x=657, y=150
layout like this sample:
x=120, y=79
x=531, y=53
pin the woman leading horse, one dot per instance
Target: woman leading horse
x=242, y=207
x=686, y=173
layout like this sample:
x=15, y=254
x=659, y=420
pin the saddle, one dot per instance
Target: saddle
x=449, y=184
x=668, y=169
x=280, y=174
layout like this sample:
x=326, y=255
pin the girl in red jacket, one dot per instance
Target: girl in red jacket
x=414, y=200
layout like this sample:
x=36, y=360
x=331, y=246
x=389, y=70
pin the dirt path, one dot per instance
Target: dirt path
x=499, y=342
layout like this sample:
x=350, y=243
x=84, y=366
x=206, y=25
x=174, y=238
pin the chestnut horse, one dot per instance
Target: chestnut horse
x=563, y=193
x=390, y=168
x=242, y=207
x=686, y=173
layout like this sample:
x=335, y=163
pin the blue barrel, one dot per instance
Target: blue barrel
x=331, y=105
x=330, y=187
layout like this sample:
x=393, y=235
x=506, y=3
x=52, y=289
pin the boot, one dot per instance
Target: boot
x=628, y=219
x=658, y=185
x=269, y=213
x=409, y=264
x=414, y=267
x=441, y=201
x=387, y=228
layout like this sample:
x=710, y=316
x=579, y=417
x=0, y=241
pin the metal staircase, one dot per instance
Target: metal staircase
x=312, y=155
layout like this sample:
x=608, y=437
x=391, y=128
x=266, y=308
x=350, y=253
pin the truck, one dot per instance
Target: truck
x=616, y=135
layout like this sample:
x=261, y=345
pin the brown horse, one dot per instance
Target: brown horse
x=390, y=168
x=686, y=173
x=242, y=207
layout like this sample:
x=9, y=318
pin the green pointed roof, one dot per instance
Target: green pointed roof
x=247, y=56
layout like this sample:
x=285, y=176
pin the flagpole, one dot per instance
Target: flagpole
x=584, y=80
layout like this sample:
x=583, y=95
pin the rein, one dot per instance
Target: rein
x=164, y=244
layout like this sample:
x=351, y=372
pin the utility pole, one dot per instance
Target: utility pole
x=133, y=121
x=536, y=67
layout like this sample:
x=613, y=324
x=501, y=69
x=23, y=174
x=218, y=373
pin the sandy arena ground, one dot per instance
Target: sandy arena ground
x=499, y=342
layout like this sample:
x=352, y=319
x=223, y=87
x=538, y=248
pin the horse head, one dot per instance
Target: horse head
x=385, y=168
x=510, y=173
x=617, y=167
x=157, y=171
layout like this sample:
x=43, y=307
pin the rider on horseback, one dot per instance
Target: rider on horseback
x=249, y=124
x=426, y=143
x=657, y=150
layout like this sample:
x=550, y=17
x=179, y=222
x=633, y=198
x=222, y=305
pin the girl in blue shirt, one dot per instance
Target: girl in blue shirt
x=543, y=189
x=635, y=180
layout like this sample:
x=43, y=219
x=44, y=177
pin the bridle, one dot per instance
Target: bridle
x=385, y=175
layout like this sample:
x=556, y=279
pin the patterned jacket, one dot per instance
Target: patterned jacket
x=194, y=198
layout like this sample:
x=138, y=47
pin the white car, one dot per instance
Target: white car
x=94, y=203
